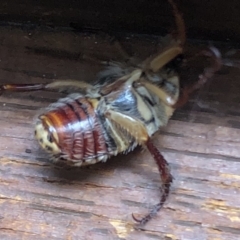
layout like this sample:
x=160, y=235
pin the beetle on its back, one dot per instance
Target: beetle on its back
x=126, y=106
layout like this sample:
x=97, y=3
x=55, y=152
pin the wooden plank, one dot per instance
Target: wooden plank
x=132, y=16
x=201, y=143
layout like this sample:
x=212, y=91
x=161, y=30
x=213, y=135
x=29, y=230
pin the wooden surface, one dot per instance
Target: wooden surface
x=201, y=143
x=209, y=20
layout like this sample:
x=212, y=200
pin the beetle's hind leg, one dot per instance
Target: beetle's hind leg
x=138, y=131
x=166, y=179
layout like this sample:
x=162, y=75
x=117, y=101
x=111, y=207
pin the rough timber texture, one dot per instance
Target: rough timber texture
x=41, y=201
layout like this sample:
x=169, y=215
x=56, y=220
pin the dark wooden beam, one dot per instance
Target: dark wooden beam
x=208, y=20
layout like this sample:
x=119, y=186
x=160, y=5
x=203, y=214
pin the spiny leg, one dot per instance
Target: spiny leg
x=215, y=56
x=166, y=179
x=139, y=132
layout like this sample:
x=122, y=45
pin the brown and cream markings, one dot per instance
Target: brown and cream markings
x=127, y=105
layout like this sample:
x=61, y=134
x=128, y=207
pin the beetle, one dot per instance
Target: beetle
x=125, y=107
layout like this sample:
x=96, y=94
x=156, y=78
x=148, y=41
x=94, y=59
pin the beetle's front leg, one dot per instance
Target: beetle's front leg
x=21, y=87
x=56, y=85
x=181, y=31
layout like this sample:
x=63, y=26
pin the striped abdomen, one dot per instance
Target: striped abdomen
x=71, y=130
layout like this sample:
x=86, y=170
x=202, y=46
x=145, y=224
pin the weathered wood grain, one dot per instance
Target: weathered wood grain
x=41, y=201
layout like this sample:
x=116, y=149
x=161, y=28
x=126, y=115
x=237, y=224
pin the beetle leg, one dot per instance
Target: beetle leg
x=181, y=31
x=21, y=87
x=175, y=47
x=164, y=57
x=73, y=84
x=137, y=130
x=167, y=97
x=132, y=126
x=185, y=93
x=166, y=179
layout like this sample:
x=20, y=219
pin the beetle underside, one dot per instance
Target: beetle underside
x=126, y=106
